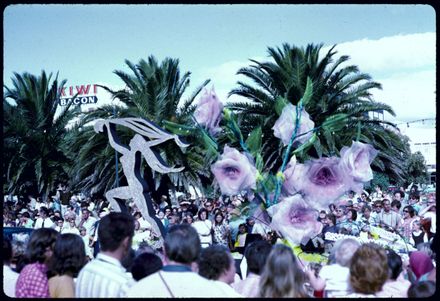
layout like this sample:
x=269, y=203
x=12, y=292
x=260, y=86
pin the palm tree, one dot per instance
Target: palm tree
x=153, y=91
x=34, y=127
x=338, y=91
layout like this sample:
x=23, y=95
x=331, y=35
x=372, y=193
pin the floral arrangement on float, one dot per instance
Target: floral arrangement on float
x=294, y=195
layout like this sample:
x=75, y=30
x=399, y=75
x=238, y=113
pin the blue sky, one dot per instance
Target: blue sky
x=395, y=44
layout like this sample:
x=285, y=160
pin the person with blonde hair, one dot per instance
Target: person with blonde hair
x=282, y=275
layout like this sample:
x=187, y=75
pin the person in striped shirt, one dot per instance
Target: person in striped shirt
x=105, y=276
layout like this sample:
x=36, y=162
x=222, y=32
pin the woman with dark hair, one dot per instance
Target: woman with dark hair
x=396, y=284
x=407, y=221
x=32, y=281
x=350, y=226
x=221, y=230
x=282, y=275
x=203, y=227
x=68, y=258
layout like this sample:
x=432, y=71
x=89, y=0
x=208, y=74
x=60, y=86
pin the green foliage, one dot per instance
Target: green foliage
x=34, y=130
x=416, y=169
x=380, y=179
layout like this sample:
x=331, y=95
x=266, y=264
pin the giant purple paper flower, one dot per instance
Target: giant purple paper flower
x=285, y=125
x=322, y=182
x=355, y=162
x=292, y=174
x=294, y=219
x=208, y=112
x=234, y=172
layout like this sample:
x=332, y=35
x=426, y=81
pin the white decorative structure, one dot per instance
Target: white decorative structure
x=131, y=161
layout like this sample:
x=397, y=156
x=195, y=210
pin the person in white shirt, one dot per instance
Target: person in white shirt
x=43, y=221
x=104, y=276
x=204, y=228
x=177, y=278
x=216, y=263
x=9, y=276
x=87, y=221
x=334, y=278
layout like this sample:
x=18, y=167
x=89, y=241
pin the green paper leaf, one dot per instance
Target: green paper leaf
x=306, y=145
x=307, y=93
x=179, y=129
x=280, y=103
x=253, y=142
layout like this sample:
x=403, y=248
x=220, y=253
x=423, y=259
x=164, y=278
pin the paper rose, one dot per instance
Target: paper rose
x=234, y=172
x=208, y=112
x=355, y=161
x=294, y=219
x=322, y=181
x=285, y=125
x=292, y=174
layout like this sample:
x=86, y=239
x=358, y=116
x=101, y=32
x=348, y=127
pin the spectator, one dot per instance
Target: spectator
x=282, y=275
x=145, y=264
x=396, y=284
x=203, y=227
x=26, y=221
x=423, y=289
x=32, y=281
x=350, y=226
x=240, y=240
x=420, y=265
x=250, y=222
x=221, y=230
x=368, y=270
x=407, y=222
x=375, y=214
x=177, y=278
x=9, y=276
x=43, y=221
x=256, y=255
x=188, y=218
x=389, y=219
x=71, y=227
x=216, y=263
x=334, y=278
x=105, y=276
x=429, y=213
x=67, y=260
x=418, y=235
x=396, y=205
x=88, y=222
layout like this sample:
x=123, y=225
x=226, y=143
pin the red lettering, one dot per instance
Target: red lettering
x=95, y=89
x=71, y=91
x=63, y=91
x=81, y=90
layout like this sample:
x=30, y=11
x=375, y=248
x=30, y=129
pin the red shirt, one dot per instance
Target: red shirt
x=33, y=282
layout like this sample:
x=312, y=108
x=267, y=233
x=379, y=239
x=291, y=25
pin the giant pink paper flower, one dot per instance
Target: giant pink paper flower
x=208, y=112
x=355, y=162
x=234, y=172
x=285, y=125
x=322, y=182
x=294, y=219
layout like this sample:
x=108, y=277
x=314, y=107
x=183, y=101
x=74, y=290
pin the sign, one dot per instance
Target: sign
x=86, y=94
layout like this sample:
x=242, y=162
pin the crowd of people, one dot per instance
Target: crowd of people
x=79, y=247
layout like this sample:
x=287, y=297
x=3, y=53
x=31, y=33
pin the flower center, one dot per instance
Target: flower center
x=324, y=176
x=231, y=171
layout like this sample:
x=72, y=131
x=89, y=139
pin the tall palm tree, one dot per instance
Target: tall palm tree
x=34, y=127
x=152, y=91
x=338, y=90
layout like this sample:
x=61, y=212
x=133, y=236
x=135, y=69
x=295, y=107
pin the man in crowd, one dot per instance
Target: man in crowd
x=44, y=220
x=177, y=278
x=216, y=263
x=388, y=219
x=104, y=276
